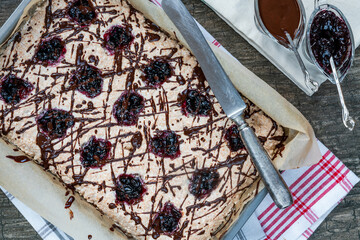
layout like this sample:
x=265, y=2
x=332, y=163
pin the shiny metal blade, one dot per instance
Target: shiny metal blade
x=225, y=92
x=229, y=99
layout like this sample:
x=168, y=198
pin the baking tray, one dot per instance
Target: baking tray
x=11, y=23
x=248, y=210
x=235, y=231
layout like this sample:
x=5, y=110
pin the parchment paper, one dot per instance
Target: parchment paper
x=43, y=193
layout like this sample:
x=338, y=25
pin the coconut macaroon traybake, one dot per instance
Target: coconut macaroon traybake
x=122, y=114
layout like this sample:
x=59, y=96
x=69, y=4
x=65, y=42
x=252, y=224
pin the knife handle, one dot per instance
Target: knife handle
x=272, y=179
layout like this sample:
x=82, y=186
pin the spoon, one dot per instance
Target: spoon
x=346, y=118
x=313, y=85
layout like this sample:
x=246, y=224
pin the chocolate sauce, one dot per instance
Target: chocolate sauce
x=69, y=202
x=112, y=205
x=19, y=159
x=181, y=80
x=279, y=16
x=71, y=214
x=152, y=37
x=136, y=140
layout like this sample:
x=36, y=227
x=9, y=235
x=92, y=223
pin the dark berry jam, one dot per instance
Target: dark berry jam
x=232, y=135
x=330, y=36
x=55, y=122
x=165, y=144
x=50, y=51
x=87, y=80
x=167, y=220
x=129, y=189
x=156, y=73
x=82, y=12
x=203, y=182
x=13, y=89
x=117, y=37
x=128, y=108
x=95, y=152
x=196, y=103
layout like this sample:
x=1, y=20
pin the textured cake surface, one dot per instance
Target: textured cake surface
x=121, y=112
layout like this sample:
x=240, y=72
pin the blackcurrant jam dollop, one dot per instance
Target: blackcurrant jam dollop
x=95, y=152
x=165, y=144
x=14, y=89
x=128, y=108
x=330, y=36
x=129, y=188
x=82, y=12
x=167, y=220
x=87, y=80
x=156, y=73
x=196, y=103
x=50, y=51
x=232, y=135
x=203, y=182
x=55, y=122
x=117, y=37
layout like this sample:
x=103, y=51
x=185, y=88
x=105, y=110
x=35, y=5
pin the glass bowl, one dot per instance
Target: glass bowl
x=347, y=62
x=290, y=43
x=298, y=34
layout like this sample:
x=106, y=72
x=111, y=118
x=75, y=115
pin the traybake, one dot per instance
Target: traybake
x=121, y=113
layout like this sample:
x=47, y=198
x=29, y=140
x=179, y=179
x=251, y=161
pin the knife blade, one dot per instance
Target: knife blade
x=229, y=99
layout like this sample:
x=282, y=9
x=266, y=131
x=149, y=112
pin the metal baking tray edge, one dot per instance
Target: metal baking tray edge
x=249, y=208
x=12, y=21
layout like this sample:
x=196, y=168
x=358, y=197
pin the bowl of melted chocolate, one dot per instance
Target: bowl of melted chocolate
x=275, y=17
x=329, y=34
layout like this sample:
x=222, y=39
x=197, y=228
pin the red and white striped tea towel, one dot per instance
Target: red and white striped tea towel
x=317, y=190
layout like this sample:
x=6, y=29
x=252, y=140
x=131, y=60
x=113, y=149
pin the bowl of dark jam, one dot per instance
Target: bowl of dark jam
x=330, y=46
x=329, y=35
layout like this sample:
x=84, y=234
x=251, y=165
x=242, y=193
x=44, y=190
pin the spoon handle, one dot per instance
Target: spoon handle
x=347, y=119
x=317, y=3
x=311, y=84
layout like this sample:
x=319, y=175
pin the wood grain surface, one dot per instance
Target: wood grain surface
x=322, y=110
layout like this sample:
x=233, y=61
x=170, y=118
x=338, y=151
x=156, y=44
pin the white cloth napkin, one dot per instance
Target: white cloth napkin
x=317, y=190
x=239, y=14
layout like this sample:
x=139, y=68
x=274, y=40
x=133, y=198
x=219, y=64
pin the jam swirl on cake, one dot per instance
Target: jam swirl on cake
x=87, y=80
x=82, y=12
x=95, y=152
x=13, y=89
x=104, y=116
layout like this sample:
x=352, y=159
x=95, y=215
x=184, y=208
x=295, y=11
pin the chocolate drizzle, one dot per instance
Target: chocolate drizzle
x=92, y=116
x=69, y=202
x=19, y=159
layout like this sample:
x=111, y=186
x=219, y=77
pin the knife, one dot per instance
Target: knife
x=229, y=99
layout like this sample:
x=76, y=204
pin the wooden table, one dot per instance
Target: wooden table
x=322, y=110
